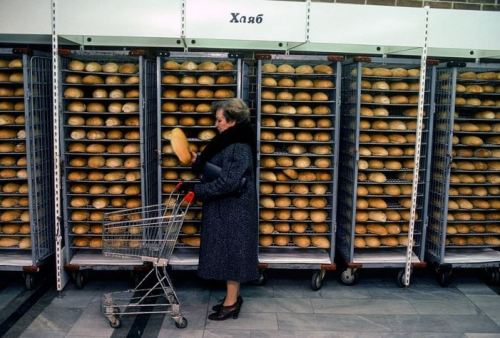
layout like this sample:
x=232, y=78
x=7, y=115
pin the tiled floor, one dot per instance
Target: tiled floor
x=284, y=307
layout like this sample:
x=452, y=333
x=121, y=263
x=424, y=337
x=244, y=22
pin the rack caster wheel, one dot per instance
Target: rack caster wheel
x=444, y=277
x=317, y=279
x=492, y=276
x=29, y=281
x=182, y=323
x=262, y=280
x=400, y=279
x=349, y=276
x=115, y=323
x=80, y=279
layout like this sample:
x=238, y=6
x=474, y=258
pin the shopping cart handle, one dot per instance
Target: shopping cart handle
x=189, y=198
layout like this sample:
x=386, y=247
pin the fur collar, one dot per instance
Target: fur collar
x=241, y=133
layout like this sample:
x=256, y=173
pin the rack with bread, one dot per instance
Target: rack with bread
x=101, y=144
x=298, y=131
x=378, y=139
x=107, y=133
x=471, y=218
x=189, y=83
x=15, y=230
x=26, y=183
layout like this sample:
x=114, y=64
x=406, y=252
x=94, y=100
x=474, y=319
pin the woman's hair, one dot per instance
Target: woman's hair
x=233, y=109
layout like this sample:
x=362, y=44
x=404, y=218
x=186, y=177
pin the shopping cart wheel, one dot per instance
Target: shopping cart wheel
x=349, y=276
x=400, y=279
x=444, y=276
x=317, y=279
x=115, y=323
x=182, y=323
x=29, y=281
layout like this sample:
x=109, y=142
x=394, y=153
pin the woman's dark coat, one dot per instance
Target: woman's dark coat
x=229, y=232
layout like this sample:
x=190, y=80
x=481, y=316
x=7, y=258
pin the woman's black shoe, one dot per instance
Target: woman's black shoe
x=218, y=306
x=226, y=312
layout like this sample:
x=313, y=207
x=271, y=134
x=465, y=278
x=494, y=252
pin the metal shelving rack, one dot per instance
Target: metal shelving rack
x=119, y=134
x=298, y=133
x=375, y=191
x=26, y=226
x=464, y=223
x=185, y=95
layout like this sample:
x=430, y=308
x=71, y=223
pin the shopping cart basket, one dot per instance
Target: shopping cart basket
x=148, y=233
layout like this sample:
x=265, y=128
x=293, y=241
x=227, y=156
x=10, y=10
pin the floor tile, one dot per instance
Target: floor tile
x=261, y=305
x=329, y=322
x=223, y=333
x=180, y=333
x=56, y=318
x=92, y=318
x=42, y=333
x=450, y=307
x=246, y=321
x=362, y=306
x=441, y=323
x=490, y=305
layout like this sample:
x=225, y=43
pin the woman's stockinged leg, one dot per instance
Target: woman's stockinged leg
x=232, y=292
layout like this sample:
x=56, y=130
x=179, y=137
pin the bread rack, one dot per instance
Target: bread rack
x=362, y=178
x=31, y=103
x=280, y=248
x=83, y=250
x=445, y=248
x=186, y=113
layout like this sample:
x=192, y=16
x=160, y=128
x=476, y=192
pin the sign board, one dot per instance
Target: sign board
x=25, y=17
x=122, y=18
x=463, y=32
x=346, y=24
x=246, y=20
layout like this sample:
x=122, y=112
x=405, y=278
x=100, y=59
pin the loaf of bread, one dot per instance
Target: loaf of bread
x=8, y=242
x=372, y=242
x=285, y=68
x=281, y=240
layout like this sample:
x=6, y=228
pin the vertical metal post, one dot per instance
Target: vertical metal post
x=418, y=145
x=183, y=25
x=61, y=278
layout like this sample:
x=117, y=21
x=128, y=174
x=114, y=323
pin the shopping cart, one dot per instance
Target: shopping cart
x=148, y=233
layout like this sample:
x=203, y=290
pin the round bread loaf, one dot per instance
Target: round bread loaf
x=76, y=65
x=366, y=98
x=269, y=68
x=269, y=108
x=399, y=72
x=268, y=95
x=302, y=96
x=286, y=82
x=304, y=69
x=285, y=96
x=285, y=68
x=269, y=81
x=304, y=83
x=207, y=65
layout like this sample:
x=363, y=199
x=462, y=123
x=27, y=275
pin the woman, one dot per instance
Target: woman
x=229, y=232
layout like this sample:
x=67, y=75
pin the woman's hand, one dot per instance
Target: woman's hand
x=194, y=156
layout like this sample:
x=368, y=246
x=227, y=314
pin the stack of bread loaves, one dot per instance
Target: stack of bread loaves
x=387, y=134
x=15, y=219
x=102, y=145
x=474, y=196
x=188, y=88
x=297, y=149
